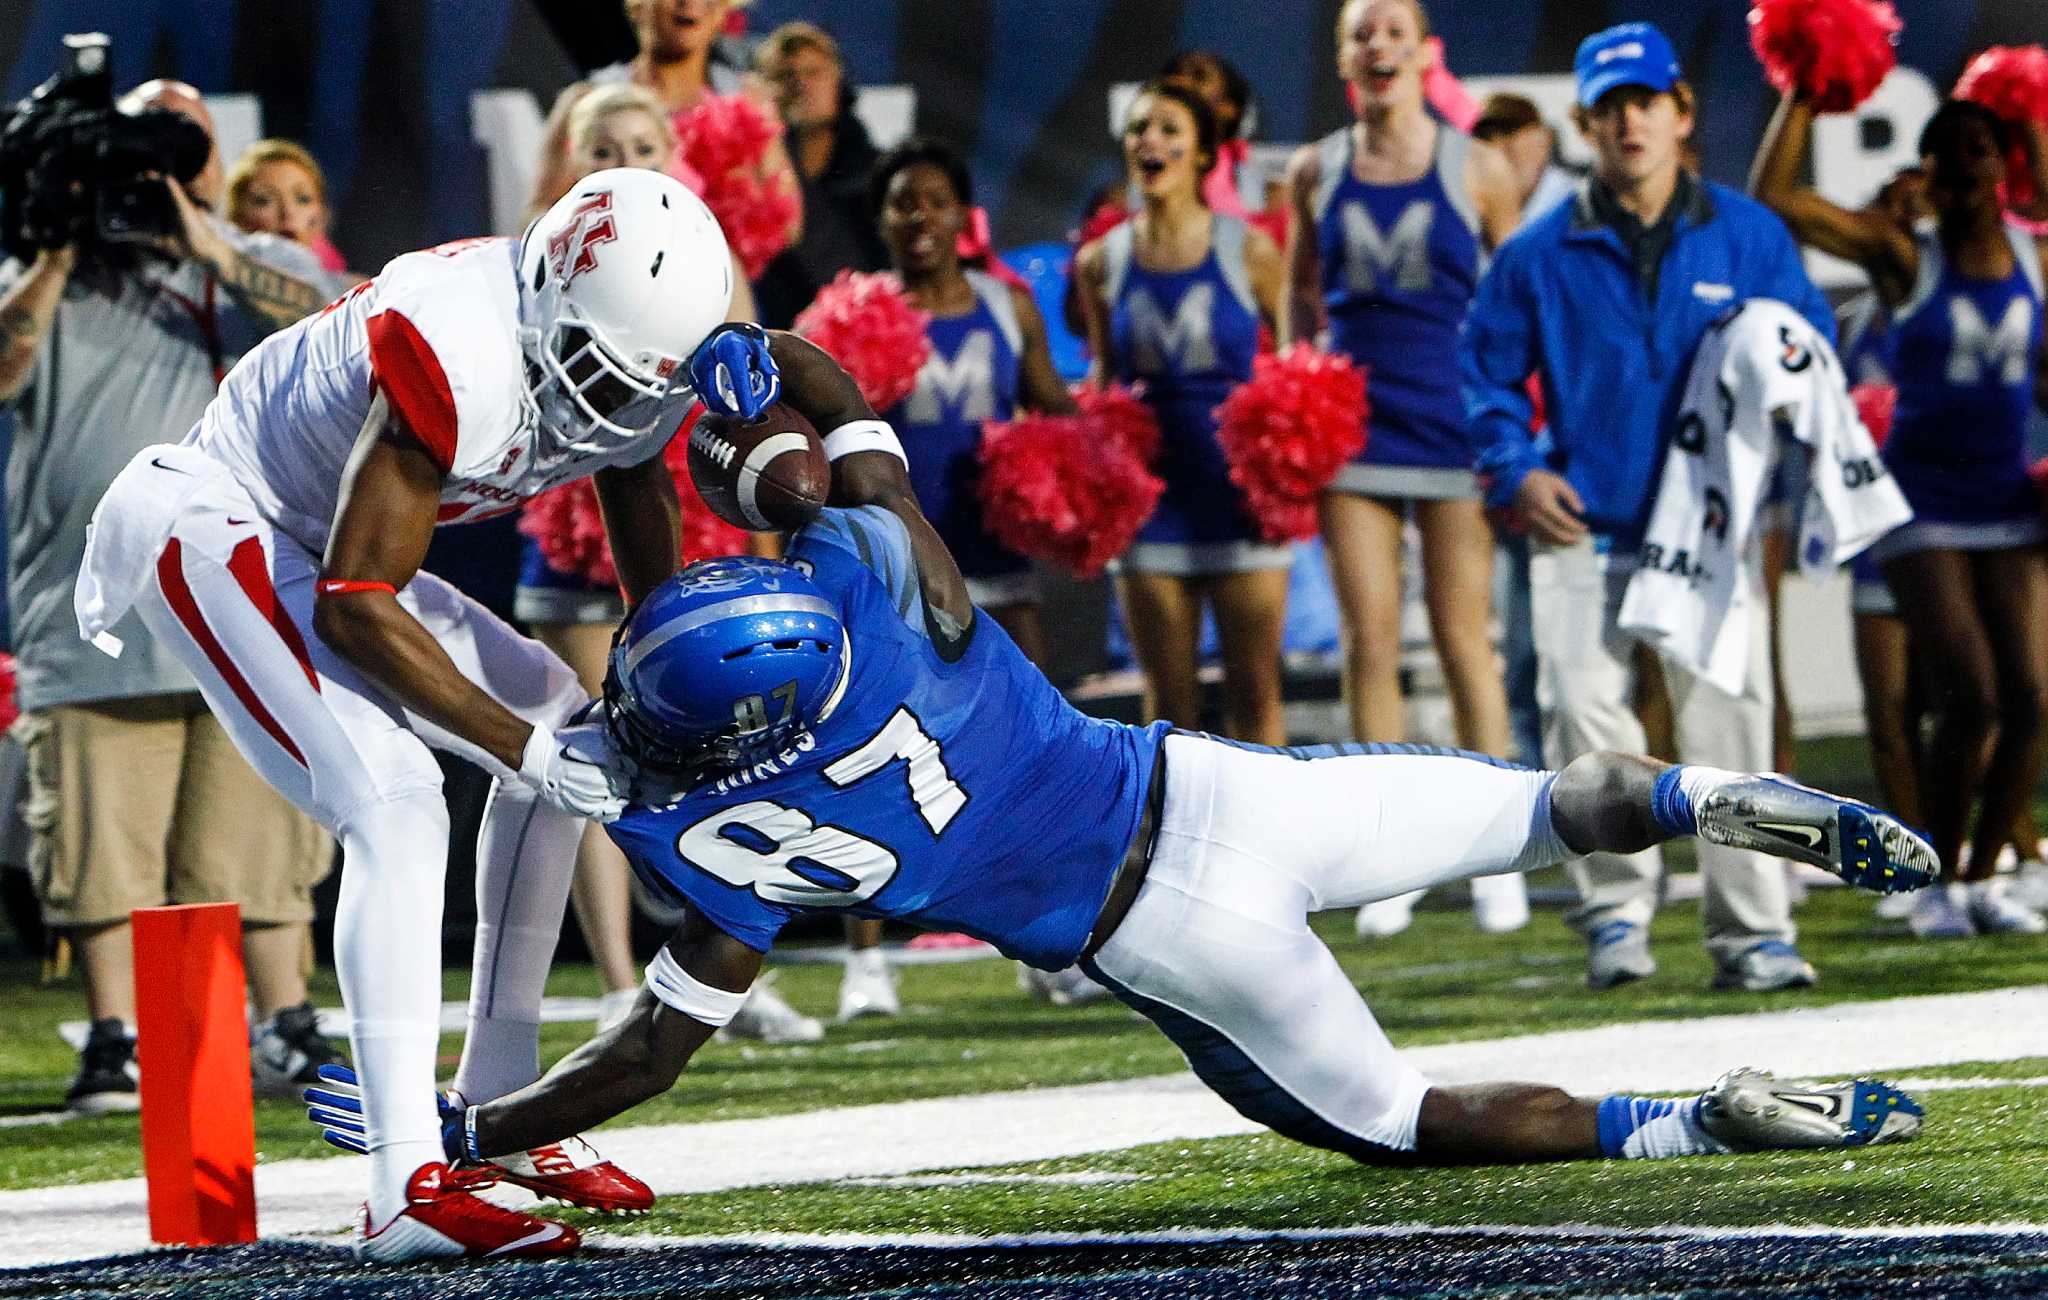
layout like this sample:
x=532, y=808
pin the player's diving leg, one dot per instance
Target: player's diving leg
x=1217, y=951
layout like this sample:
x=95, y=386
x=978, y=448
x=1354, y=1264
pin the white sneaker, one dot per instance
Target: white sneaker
x=868, y=986
x=1993, y=910
x=2030, y=885
x=615, y=1006
x=1067, y=987
x=1942, y=912
x=1500, y=904
x=1388, y=916
x=1896, y=907
x=765, y=1018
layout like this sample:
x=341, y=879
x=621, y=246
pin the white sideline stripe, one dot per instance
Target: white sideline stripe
x=1084, y=1177
x=1179, y=1236
x=316, y=1196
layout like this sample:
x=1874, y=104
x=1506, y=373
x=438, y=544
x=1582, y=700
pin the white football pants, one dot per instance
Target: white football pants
x=1217, y=951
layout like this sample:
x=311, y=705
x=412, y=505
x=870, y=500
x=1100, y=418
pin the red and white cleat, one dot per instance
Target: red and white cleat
x=442, y=1221
x=572, y=1172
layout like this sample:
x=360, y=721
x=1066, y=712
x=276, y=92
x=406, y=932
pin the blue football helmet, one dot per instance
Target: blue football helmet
x=722, y=666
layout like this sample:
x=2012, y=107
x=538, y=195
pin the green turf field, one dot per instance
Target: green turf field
x=967, y=1030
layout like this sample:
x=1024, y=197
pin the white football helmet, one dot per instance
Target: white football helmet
x=619, y=282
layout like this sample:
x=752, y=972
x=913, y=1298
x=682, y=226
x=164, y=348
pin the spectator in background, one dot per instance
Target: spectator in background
x=277, y=188
x=136, y=795
x=1970, y=571
x=678, y=42
x=1175, y=297
x=833, y=156
x=1514, y=125
x=1606, y=299
x=1393, y=215
x=618, y=125
x=989, y=360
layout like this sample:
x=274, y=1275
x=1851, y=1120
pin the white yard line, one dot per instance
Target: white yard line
x=297, y=1197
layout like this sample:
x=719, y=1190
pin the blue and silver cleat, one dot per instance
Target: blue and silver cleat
x=1865, y=846
x=1751, y=1111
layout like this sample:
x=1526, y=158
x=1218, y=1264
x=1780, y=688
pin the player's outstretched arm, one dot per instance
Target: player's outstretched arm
x=390, y=491
x=826, y=395
x=635, y=1060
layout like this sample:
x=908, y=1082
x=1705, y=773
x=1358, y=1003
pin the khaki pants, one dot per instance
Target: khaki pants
x=1584, y=684
x=140, y=802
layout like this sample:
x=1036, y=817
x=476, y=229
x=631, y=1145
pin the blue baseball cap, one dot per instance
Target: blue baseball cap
x=1629, y=54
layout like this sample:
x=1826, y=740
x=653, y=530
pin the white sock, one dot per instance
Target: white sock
x=866, y=961
x=387, y=954
x=525, y=860
x=1647, y=1128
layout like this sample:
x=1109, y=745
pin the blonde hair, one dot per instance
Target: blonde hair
x=264, y=152
x=609, y=101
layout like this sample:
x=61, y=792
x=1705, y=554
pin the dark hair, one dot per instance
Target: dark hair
x=918, y=149
x=1208, y=137
x=1505, y=113
x=1952, y=116
x=1235, y=88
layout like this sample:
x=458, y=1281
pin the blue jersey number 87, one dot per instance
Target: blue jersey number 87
x=784, y=856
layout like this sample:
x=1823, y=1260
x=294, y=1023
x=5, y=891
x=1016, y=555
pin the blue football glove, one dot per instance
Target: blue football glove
x=338, y=1109
x=734, y=373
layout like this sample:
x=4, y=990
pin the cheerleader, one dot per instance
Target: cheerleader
x=1173, y=300
x=1391, y=219
x=1970, y=572
x=1392, y=215
x=989, y=358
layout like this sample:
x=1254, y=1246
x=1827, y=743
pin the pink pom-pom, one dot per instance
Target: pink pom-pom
x=1286, y=432
x=1834, y=52
x=864, y=321
x=1068, y=489
x=725, y=140
x=1119, y=415
x=756, y=216
x=725, y=133
x=1874, y=403
x=9, y=708
x=2011, y=81
x=569, y=526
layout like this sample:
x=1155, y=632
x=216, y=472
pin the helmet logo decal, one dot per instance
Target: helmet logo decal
x=571, y=250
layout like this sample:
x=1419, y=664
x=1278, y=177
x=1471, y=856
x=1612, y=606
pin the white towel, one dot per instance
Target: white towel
x=1761, y=370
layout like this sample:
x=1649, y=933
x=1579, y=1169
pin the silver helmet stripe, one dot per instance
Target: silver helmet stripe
x=737, y=607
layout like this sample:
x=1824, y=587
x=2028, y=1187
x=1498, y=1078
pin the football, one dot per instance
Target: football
x=767, y=474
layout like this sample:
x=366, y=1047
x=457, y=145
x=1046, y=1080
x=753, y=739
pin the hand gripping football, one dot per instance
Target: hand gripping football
x=767, y=474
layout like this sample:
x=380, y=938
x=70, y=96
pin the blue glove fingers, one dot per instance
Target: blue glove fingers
x=340, y=1101
x=352, y=1120
x=346, y=1141
x=339, y=1074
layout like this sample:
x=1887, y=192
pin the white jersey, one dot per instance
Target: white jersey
x=434, y=336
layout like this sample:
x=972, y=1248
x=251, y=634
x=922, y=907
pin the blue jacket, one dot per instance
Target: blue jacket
x=1562, y=299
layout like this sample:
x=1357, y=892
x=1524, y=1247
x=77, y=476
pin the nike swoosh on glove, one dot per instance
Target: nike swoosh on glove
x=733, y=371
x=336, y=1105
x=577, y=770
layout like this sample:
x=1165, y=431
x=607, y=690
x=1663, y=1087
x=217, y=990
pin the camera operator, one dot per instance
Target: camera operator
x=136, y=795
